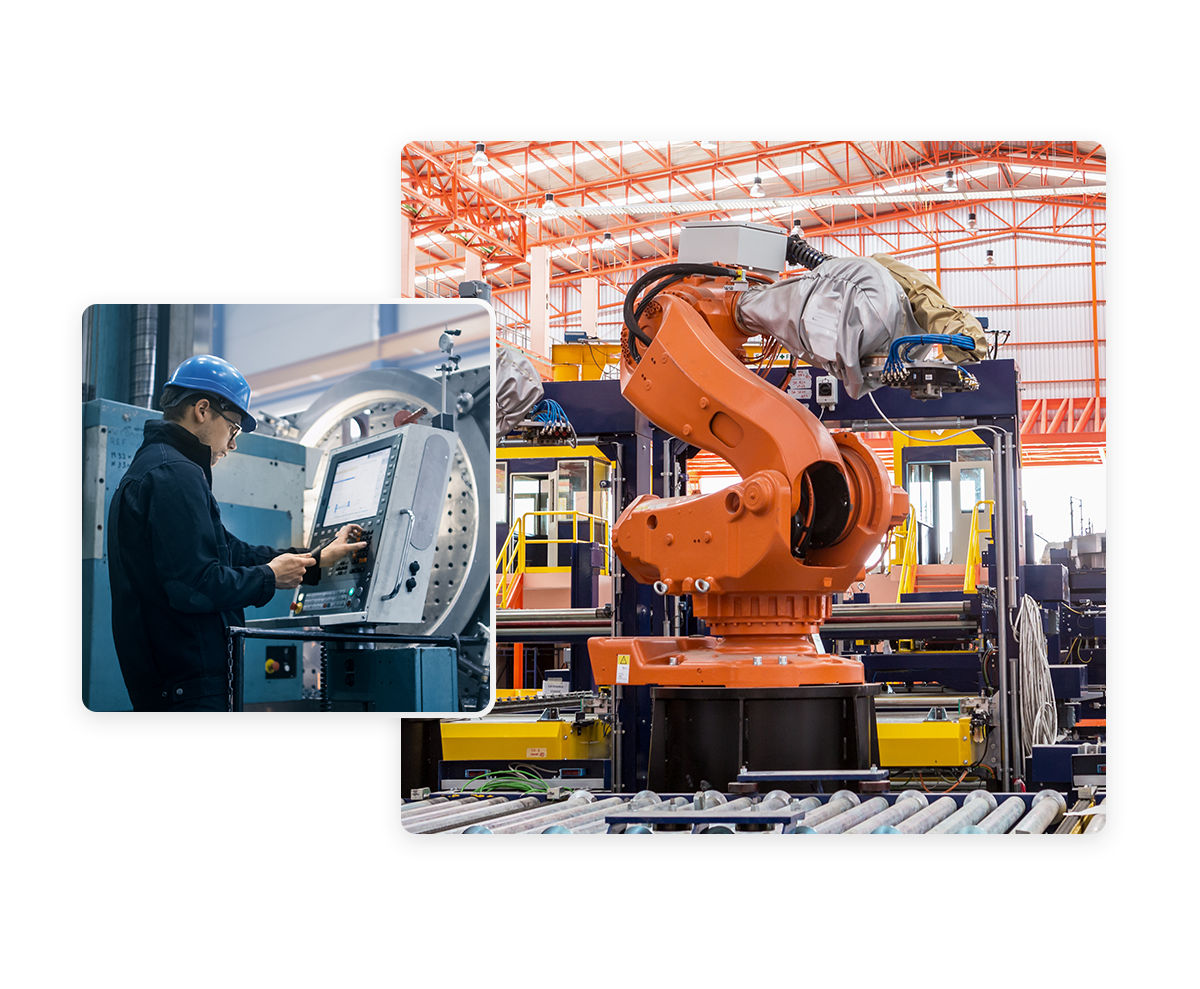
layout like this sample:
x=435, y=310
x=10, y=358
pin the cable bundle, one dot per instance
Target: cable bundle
x=513, y=778
x=551, y=415
x=1039, y=715
x=902, y=348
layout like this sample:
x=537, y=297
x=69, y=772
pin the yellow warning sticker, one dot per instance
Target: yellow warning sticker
x=622, y=667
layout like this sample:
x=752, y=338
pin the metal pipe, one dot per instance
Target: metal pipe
x=883, y=425
x=485, y=811
x=524, y=616
x=999, y=820
x=1002, y=620
x=145, y=347
x=907, y=804
x=1048, y=807
x=846, y=819
x=902, y=609
x=1011, y=599
x=975, y=808
x=922, y=820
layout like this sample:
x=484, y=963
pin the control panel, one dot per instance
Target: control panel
x=391, y=487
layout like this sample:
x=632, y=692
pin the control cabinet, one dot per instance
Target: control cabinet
x=393, y=487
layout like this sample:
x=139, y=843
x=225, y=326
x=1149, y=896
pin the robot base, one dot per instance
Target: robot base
x=702, y=737
x=736, y=661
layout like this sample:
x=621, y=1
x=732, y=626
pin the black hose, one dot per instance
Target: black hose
x=800, y=251
x=666, y=274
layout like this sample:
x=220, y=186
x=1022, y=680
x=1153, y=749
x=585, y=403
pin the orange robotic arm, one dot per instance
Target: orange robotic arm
x=763, y=557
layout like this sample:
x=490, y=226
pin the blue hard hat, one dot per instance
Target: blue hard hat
x=216, y=376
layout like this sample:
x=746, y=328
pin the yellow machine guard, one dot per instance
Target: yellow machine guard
x=522, y=740
x=927, y=743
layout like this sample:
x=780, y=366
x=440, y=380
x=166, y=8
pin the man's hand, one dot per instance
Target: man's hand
x=347, y=541
x=289, y=568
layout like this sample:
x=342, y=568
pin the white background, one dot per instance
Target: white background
x=250, y=152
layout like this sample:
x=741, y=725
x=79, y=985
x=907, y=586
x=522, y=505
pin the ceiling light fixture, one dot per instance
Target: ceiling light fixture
x=950, y=185
x=479, y=159
x=990, y=259
x=970, y=221
x=756, y=190
x=608, y=245
x=548, y=208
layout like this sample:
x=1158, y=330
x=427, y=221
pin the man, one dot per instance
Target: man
x=179, y=578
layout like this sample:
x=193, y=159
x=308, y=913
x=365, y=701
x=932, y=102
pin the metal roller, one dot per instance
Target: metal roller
x=806, y=804
x=1048, y=807
x=589, y=817
x=562, y=814
x=447, y=806
x=999, y=820
x=485, y=811
x=414, y=805
x=922, y=820
x=546, y=809
x=845, y=820
x=974, y=809
x=908, y=803
x=839, y=803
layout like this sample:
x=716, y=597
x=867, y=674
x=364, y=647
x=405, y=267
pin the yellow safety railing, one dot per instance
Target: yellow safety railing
x=974, y=550
x=908, y=564
x=512, y=561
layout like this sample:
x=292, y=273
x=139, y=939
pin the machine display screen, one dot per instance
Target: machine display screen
x=357, y=484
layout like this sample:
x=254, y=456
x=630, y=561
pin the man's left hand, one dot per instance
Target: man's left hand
x=348, y=540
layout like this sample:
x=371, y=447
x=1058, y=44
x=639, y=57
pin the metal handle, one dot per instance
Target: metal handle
x=403, y=554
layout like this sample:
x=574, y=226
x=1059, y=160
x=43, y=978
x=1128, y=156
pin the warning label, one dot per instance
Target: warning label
x=622, y=667
x=535, y=753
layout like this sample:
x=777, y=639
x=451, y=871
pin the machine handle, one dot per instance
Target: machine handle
x=403, y=553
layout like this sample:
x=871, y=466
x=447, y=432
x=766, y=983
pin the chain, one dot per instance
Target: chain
x=229, y=665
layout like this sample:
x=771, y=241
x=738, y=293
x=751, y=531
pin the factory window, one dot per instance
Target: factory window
x=572, y=486
x=920, y=492
x=602, y=490
x=531, y=493
x=970, y=488
x=500, y=502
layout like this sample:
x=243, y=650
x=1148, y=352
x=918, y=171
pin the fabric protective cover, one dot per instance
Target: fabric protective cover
x=833, y=317
x=933, y=313
x=518, y=388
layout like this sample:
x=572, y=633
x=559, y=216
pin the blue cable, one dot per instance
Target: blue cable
x=909, y=343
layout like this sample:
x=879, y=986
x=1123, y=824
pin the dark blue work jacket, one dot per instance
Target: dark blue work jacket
x=179, y=578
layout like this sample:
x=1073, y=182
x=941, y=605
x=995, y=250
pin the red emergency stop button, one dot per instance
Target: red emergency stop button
x=272, y=666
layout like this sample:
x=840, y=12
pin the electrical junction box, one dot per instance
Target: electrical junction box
x=827, y=391
x=739, y=245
